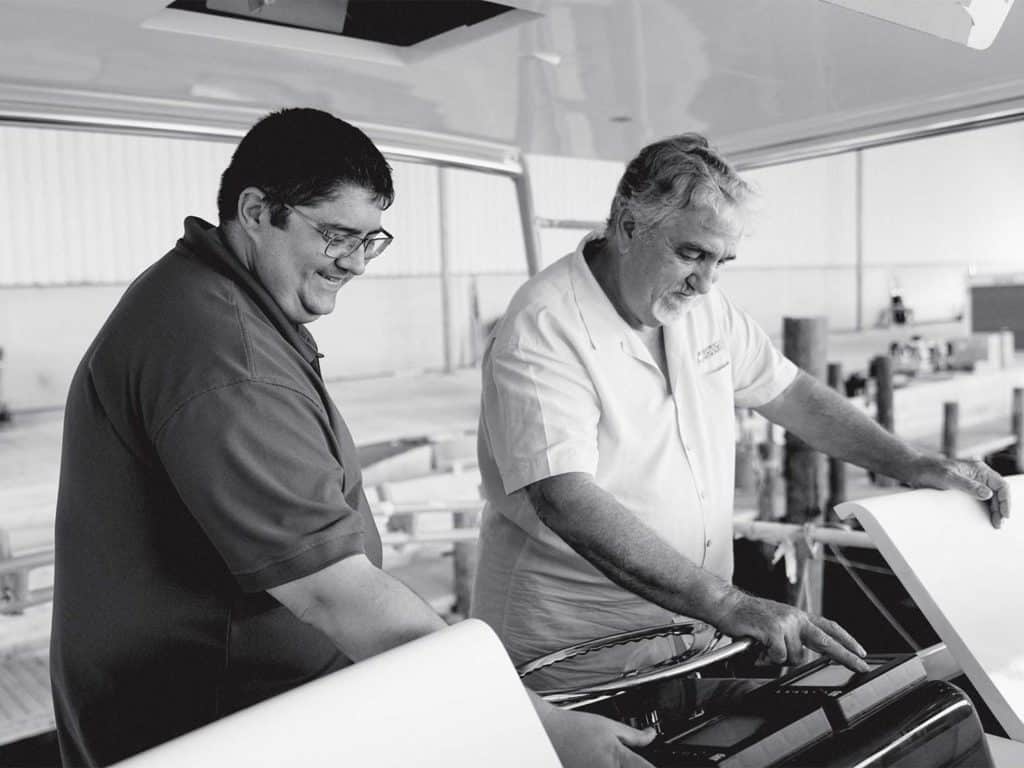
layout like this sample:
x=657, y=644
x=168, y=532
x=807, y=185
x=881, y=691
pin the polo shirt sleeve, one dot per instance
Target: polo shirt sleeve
x=540, y=408
x=760, y=371
x=252, y=461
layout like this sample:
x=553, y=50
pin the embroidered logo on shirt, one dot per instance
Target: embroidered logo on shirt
x=710, y=350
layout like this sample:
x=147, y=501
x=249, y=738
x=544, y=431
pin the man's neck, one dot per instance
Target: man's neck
x=238, y=244
x=605, y=264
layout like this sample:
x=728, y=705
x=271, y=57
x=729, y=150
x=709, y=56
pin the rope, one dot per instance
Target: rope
x=847, y=566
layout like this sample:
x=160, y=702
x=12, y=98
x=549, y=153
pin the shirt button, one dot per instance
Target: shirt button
x=707, y=544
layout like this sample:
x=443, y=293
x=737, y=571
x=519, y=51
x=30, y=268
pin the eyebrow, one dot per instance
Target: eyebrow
x=348, y=230
x=691, y=246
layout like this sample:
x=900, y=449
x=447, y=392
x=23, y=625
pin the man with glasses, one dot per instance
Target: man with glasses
x=213, y=543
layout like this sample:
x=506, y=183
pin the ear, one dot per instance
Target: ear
x=625, y=228
x=252, y=204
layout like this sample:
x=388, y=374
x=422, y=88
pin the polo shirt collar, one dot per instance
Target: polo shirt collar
x=604, y=324
x=208, y=242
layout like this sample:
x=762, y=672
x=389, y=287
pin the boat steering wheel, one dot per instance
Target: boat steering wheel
x=691, y=660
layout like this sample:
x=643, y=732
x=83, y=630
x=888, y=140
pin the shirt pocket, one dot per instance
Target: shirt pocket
x=718, y=402
x=716, y=367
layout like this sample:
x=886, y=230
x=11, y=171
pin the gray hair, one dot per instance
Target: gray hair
x=672, y=174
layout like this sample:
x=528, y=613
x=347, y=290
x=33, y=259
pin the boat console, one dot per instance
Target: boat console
x=966, y=577
x=818, y=714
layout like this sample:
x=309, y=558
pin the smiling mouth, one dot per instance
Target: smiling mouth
x=334, y=279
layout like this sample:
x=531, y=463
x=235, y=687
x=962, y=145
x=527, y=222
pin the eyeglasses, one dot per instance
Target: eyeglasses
x=339, y=246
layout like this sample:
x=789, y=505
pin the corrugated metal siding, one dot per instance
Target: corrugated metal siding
x=556, y=243
x=79, y=207
x=805, y=216
x=800, y=255
x=953, y=199
x=93, y=210
x=567, y=188
x=484, y=233
x=414, y=220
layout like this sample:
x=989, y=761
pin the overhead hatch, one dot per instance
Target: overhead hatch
x=393, y=22
x=384, y=31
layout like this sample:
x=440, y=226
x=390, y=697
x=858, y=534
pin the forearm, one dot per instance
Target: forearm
x=361, y=608
x=624, y=549
x=829, y=423
x=633, y=556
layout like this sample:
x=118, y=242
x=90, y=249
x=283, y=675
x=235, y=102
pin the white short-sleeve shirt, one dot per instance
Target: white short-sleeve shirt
x=568, y=386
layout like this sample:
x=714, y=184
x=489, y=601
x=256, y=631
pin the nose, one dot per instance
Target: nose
x=702, y=277
x=355, y=262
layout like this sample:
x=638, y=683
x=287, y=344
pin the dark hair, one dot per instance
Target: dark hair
x=302, y=157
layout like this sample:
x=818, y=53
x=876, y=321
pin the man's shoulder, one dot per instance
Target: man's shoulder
x=176, y=298
x=543, y=304
x=180, y=328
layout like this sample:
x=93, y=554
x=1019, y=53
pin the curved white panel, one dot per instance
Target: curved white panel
x=966, y=577
x=446, y=700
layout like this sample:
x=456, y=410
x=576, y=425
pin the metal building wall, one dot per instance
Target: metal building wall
x=414, y=220
x=84, y=212
x=571, y=196
x=79, y=207
x=485, y=258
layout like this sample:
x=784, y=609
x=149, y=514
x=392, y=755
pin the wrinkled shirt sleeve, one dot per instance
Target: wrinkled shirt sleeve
x=760, y=371
x=540, y=408
x=252, y=461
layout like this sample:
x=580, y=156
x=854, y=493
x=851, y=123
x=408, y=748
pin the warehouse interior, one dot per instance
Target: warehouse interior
x=883, y=258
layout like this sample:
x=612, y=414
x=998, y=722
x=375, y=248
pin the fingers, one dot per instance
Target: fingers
x=999, y=502
x=981, y=481
x=836, y=630
x=786, y=632
x=830, y=639
x=634, y=737
x=988, y=485
x=968, y=477
x=629, y=759
x=795, y=651
x=775, y=646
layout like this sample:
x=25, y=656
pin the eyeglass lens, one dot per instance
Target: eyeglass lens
x=339, y=247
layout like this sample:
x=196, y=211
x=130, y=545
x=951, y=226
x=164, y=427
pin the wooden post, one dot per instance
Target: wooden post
x=1017, y=425
x=13, y=586
x=770, y=456
x=465, y=557
x=950, y=428
x=805, y=342
x=881, y=370
x=836, y=467
x=771, y=469
x=450, y=334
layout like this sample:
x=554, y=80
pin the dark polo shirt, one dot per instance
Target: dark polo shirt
x=203, y=463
